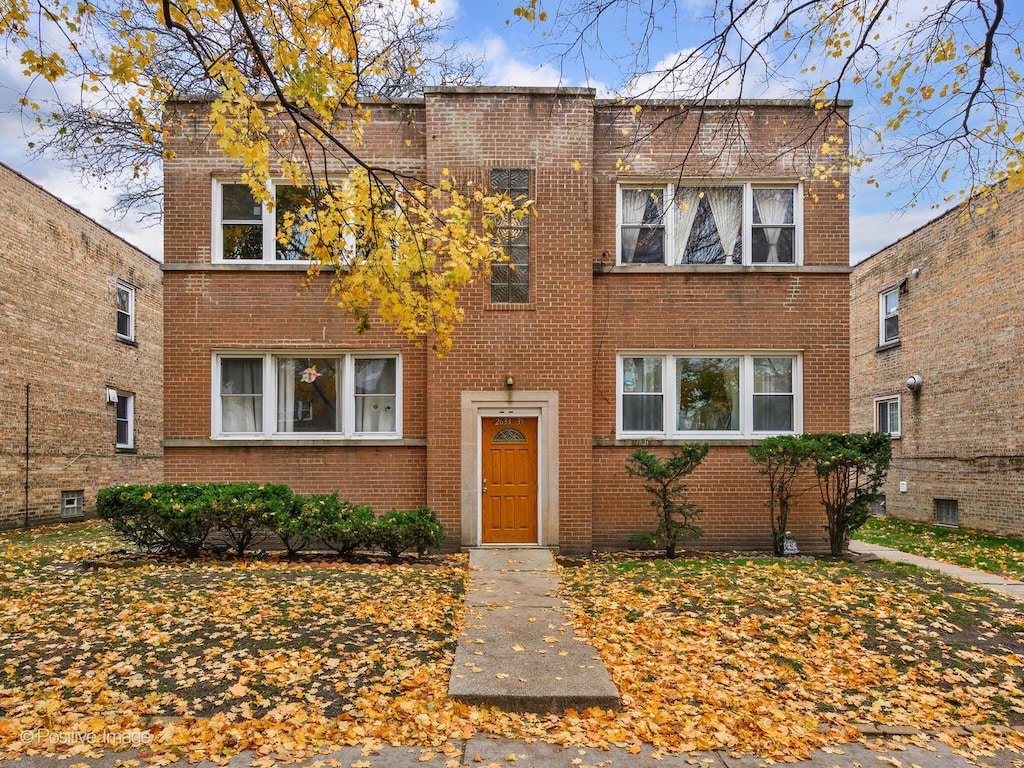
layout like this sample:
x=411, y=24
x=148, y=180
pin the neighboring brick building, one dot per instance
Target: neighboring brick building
x=946, y=303
x=81, y=326
x=723, y=320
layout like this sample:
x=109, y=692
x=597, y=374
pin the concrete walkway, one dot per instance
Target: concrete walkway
x=1009, y=587
x=517, y=650
x=488, y=752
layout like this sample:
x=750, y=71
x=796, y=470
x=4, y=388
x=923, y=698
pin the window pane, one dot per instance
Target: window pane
x=773, y=375
x=124, y=312
x=124, y=421
x=710, y=224
x=291, y=199
x=773, y=413
x=308, y=394
x=773, y=394
x=238, y=204
x=643, y=413
x=643, y=405
x=241, y=388
x=892, y=302
x=773, y=206
x=709, y=394
x=243, y=241
x=643, y=226
x=376, y=394
x=892, y=328
x=766, y=250
x=889, y=416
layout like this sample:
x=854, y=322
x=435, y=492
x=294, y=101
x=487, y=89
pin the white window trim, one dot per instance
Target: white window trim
x=669, y=397
x=748, y=186
x=268, y=222
x=899, y=411
x=348, y=410
x=129, y=398
x=130, y=290
x=882, y=316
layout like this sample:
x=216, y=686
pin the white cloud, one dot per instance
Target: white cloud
x=870, y=232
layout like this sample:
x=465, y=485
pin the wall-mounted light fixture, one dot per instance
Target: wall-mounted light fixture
x=111, y=395
x=509, y=381
x=915, y=382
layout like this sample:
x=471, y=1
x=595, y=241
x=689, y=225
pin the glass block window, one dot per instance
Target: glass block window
x=510, y=280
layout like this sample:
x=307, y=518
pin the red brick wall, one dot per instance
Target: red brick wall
x=564, y=340
x=58, y=334
x=960, y=329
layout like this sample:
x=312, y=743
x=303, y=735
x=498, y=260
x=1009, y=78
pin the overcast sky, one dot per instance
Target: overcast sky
x=515, y=53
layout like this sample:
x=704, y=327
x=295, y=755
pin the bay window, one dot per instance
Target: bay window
x=741, y=223
x=312, y=395
x=708, y=395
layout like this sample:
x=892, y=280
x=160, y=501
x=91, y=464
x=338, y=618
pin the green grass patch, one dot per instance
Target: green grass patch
x=1002, y=556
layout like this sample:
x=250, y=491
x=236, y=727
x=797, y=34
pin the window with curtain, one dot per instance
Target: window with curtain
x=311, y=395
x=643, y=226
x=724, y=224
x=375, y=394
x=642, y=396
x=773, y=394
x=887, y=415
x=773, y=230
x=296, y=201
x=510, y=280
x=241, y=395
x=709, y=396
x=308, y=394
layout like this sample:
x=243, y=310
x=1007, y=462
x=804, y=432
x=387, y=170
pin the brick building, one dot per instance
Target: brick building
x=946, y=304
x=649, y=307
x=81, y=337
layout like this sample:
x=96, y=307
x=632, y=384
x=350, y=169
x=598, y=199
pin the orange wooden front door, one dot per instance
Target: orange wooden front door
x=509, y=481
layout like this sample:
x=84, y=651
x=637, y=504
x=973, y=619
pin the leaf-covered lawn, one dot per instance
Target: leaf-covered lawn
x=762, y=655
x=213, y=657
x=992, y=554
x=206, y=659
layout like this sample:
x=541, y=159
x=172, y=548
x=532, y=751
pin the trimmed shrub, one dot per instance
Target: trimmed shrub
x=298, y=526
x=780, y=459
x=243, y=510
x=169, y=516
x=399, y=530
x=668, y=491
x=343, y=526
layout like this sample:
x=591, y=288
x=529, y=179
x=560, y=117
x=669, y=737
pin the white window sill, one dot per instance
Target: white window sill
x=278, y=442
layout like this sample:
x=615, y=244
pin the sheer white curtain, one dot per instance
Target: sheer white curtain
x=634, y=203
x=727, y=208
x=241, y=395
x=375, y=395
x=772, y=206
x=286, y=395
x=684, y=212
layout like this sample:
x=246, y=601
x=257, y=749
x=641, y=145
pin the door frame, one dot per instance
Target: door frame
x=475, y=405
x=512, y=413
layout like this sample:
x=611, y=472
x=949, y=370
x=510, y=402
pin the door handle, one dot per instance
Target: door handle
x=485, y=486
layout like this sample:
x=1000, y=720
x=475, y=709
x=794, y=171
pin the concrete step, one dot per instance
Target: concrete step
x=517, y=651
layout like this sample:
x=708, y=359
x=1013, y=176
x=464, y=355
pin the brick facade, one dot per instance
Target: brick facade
x=58, y=335
x=561, y=348
x=960, y=283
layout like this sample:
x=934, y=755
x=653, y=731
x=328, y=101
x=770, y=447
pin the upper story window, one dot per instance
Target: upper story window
x=697, y=394
x=125, y=303
x=889, y=316
x=510, y=280
x=313, y=394
x=742, y=223
x=887, y=415
x=246, y=230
